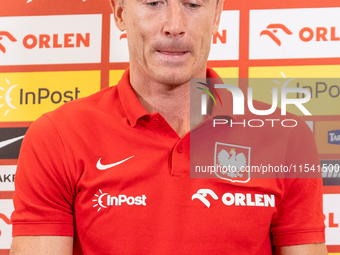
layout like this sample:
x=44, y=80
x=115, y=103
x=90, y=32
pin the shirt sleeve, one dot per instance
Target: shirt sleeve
x=300, y=218
x=44, y=188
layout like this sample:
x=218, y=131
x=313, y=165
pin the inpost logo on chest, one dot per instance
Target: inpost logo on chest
x=104, y=200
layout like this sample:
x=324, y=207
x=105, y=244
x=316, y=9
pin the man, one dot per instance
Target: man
x=109, y=174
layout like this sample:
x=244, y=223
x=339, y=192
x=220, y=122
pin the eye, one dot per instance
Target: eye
x=194, y=6
x=153, y=4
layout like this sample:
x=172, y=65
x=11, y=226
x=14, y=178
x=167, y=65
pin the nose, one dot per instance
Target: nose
x=175, y=20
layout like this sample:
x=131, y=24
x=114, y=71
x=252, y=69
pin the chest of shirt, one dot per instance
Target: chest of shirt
x=138, y=185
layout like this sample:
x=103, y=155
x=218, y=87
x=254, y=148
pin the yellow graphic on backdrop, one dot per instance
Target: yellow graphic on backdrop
x=26, y=96
x=323, y=82
x=115, y=76
x=226, y=72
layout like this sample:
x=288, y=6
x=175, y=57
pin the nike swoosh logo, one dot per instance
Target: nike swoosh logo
x=100, y=166
x=10, y=141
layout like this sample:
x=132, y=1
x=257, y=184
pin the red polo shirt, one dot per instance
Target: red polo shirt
x=117, y=178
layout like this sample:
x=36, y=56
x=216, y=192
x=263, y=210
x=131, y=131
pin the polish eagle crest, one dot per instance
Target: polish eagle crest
x=232, y=162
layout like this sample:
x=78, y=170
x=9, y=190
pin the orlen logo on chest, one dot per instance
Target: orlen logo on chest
x=60, y=39
x=295, y=33
x=104, y=200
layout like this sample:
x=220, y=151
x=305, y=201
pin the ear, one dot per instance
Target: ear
x=219, y=9
x=118, y=13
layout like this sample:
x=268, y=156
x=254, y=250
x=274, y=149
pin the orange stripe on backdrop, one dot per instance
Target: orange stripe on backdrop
x=8, y=162
x=333, y=248
x=47, y=68
x=295, y=62
x=105, y=52
x=329, y=156
x=15, y=124
x=331, y=190
x=6, y=195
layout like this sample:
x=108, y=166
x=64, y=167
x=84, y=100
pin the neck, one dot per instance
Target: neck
x=171, y=101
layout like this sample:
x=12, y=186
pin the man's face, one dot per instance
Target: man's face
x=169, y=40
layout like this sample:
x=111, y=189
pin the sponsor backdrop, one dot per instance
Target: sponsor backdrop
x=52, y=52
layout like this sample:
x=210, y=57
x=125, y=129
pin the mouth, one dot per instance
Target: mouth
x=173, y=57
x=174, y=53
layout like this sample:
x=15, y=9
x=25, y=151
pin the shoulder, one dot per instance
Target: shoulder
x=85, y=109
x=79, y=114
x=80, y=105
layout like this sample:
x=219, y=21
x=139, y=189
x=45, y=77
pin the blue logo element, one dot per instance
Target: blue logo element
x=334, y=136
